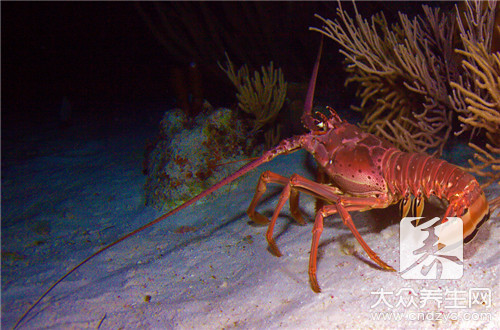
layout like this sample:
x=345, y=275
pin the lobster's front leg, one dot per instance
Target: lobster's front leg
x=338, y=207
x=271, y=177
x=340, y=204
x=330, y=194
x=287, y=193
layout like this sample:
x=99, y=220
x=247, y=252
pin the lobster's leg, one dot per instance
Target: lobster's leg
x=294, y=206
x=341, y=204
x=288, y=193
x=346, y=217
x=270, y=177
x=291, y=190
x=326, y=211
x=285, y=195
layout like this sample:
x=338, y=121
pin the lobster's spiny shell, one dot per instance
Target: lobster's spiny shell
x=352, y=158
x=361, y=164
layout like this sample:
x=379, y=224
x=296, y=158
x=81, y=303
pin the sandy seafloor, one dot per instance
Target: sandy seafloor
x=66, y=194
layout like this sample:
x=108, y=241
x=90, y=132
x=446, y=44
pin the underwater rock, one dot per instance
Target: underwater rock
x=172, y=122
x=186, y=161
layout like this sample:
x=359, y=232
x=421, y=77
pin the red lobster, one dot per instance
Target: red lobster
x=365, y=171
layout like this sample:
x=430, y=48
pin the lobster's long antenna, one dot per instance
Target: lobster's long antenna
x=285, y=147
x=307, y=119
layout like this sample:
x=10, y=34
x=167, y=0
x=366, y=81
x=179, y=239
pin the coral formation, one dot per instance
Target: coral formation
x=262, y=97
x=401, y=80
x=417, y=76
x=184, y=162
x=477, y=92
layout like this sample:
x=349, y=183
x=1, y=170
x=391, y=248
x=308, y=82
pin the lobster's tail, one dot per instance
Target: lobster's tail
x=474, y=217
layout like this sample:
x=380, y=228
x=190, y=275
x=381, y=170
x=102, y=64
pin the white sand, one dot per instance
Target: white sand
x=89, y=191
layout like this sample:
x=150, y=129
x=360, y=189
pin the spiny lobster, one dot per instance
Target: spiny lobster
x=365, y=172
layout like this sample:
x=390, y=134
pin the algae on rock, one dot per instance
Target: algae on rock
x=185, y=161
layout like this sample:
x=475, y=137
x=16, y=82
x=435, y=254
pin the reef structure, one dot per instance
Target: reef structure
x=186, y=161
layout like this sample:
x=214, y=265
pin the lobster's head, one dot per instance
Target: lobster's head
x=324, y=124
x=349, y=156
